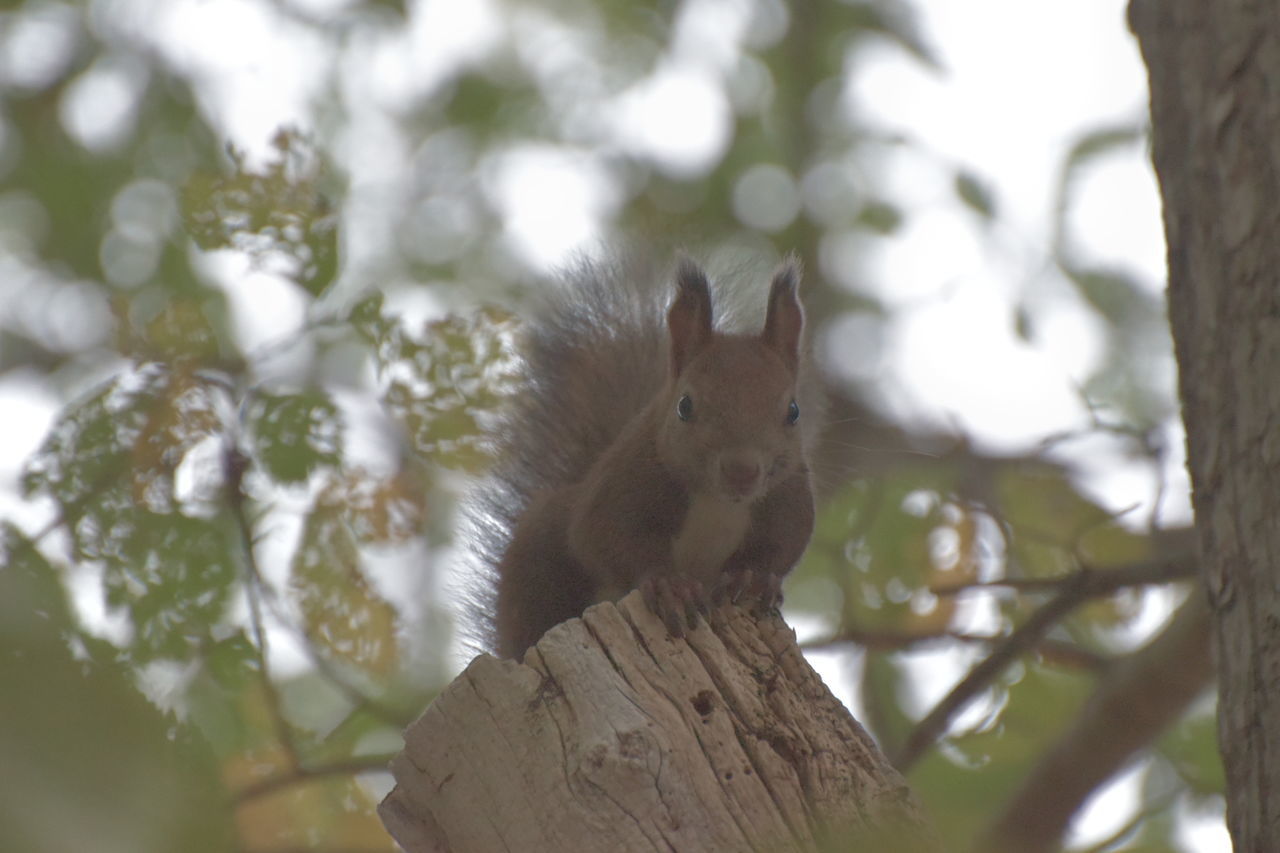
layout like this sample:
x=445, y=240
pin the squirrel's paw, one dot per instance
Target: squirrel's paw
x=761, y=592
x=676, y=600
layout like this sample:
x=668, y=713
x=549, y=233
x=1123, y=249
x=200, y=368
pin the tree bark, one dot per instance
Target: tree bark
x=1215, y=111
x=614, y=736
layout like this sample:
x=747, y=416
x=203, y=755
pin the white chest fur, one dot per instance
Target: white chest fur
x=713, y=529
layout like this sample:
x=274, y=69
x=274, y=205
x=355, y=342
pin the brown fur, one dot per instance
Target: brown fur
x=604, y=484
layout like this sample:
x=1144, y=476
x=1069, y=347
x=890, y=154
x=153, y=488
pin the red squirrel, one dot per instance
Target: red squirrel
x=665, y=456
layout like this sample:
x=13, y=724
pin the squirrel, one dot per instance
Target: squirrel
x=667, y=456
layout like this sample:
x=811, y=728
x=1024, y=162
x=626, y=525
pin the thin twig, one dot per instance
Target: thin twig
x=1139, y=698
x=1022, y=640
x=299, y=774
x=234, y=466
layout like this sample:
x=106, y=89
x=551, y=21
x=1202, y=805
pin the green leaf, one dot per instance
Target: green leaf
x=34, y=606
x=231, y=661
x=400, y=8
x=110, y=464
x=342, y=612
x=294, y=435
x=880, y=217
x=975, y=193
x=447, y=384
x=121, y=445
x=173, y=575
x=368, y=319
x=280, y=212
x=1191, y=747
x=1116, y=295
x=1102, y=141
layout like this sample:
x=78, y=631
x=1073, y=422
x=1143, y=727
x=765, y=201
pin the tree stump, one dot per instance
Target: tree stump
x=614, y=736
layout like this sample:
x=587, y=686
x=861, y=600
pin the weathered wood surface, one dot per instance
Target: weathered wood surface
x=614, y=736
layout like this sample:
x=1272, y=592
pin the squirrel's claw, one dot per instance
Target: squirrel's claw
x=760, y=591
x=677, y=601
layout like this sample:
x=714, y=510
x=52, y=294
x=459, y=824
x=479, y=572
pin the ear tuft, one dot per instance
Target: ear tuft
x=784, y=322
x=789, y=273
x=689, y=318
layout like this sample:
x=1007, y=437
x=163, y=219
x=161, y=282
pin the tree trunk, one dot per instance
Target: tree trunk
x=613, y=736
x=1215, y=111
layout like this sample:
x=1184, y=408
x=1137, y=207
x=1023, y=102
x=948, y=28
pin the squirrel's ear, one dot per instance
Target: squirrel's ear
x=689, y=318
x=784, y=322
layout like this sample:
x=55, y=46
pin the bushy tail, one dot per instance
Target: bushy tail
x=595, y=354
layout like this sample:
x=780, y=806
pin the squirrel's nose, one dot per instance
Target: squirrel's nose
x=739, y=474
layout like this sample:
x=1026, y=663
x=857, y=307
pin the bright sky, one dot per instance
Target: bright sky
x=1020, y=82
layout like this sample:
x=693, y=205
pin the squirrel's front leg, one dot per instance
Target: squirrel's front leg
x=625, y=537
x=781, y=526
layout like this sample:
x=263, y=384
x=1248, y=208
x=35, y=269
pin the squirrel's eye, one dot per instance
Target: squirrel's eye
x=684, y=408
x=793, y=412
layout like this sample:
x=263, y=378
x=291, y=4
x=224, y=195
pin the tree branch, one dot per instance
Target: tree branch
x=300, y=774
x=1133, y=704
x=1066, y=653
x=1073, y=591
x=1098, y=581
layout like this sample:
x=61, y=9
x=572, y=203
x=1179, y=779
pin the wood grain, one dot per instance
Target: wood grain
x=614, y=736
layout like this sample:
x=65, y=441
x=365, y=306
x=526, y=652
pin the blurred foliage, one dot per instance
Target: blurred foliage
x=444, y=384
x=258, y=604
x=278, y=213
x=1027, y=710
x=89, y=763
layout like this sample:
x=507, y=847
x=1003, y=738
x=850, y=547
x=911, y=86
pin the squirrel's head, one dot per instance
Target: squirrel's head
x=730, y=425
